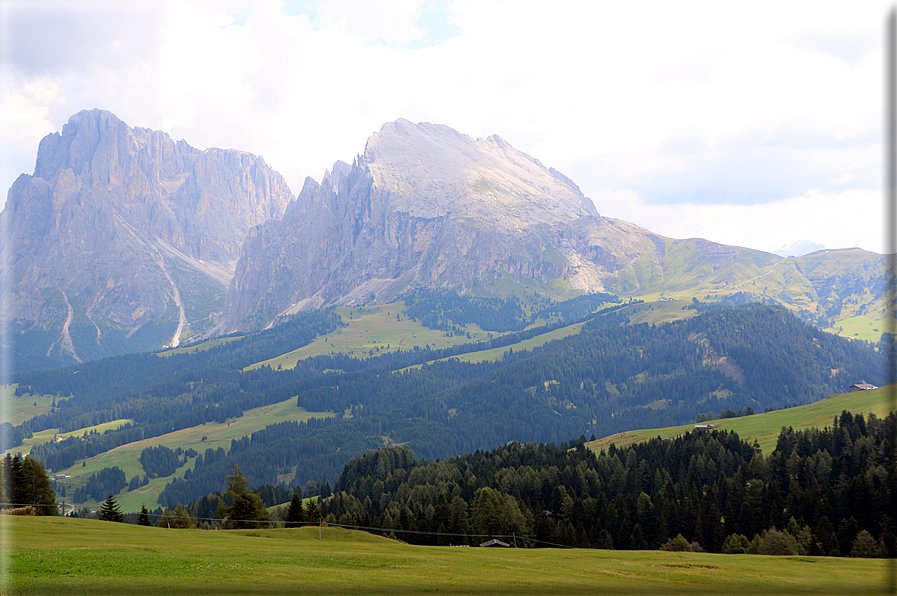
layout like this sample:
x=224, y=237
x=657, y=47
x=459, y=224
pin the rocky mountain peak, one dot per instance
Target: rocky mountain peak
x=425, y=205
x=125, y=236
x=430, y=170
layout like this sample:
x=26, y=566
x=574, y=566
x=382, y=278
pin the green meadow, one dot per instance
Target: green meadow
x=377, y=329
x=656, y=311
x=859, y=327
x=372, y=330
x=52, y=434
x=75, y=556
x=19, y=408
x=525, y=345
x=765, y=428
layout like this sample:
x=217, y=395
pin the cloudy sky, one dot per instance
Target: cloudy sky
x=749, y=123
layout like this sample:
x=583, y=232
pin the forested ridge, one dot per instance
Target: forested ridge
x=606, y=379
x=821, y=492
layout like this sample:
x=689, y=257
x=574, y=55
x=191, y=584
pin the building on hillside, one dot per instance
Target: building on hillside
x=862, y=387
x=704, y=427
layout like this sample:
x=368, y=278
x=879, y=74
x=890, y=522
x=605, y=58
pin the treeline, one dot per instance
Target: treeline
x=822, y=492
x=24, y=483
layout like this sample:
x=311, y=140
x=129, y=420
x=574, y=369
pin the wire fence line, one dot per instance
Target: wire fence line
x=324, y=524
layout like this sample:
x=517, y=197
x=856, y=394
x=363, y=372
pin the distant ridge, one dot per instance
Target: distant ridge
x=798, y=249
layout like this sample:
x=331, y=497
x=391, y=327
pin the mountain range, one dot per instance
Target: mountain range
x=123, y=240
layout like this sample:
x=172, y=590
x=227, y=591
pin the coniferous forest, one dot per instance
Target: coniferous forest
x=821, y=492
x=611, y=377
x=24, y=484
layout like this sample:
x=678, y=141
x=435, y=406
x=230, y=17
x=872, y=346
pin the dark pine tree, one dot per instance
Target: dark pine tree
x=296, y=513
x=110, y=511
x=143, y=519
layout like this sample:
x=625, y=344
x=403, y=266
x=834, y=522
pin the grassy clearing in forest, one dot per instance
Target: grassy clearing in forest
x=51, y=434
x=202, y=347
x=74, y=556
x=496, y=354
x=19, y=408
x=373, y=330
x=860, y=327
x=211, y=435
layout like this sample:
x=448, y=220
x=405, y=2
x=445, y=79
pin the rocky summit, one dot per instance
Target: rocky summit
x=125, y=240
x=426, y=205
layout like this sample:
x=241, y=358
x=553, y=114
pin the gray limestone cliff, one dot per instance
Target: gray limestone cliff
x=126, y=240
x=426, y=205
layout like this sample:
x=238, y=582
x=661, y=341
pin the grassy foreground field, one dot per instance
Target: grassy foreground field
x=73, y=556
x=765, y=428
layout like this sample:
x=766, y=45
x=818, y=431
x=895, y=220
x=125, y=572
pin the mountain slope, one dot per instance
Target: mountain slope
x=125, y=240
x=765, y=428
x=426, y=206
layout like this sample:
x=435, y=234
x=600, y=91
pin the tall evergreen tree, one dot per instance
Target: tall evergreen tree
x=313, y=512
x=143, y=519
x=296, y=513
x=38, y=493
x=110, y=511
x=241, y=508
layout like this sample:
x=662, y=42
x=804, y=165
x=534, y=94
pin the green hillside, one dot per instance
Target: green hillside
x=615, y=370
x=765, y=428
x=842, y=291
x=211, y=435
x=19, y=408
x=72, y=556
x=374, y=330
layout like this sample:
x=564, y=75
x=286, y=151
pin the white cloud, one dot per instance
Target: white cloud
x=24, y=117
x=697, y=103
x=389, y=21
x=845, y=219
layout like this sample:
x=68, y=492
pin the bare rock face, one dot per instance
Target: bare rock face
x=125, y=240
x=426, y=205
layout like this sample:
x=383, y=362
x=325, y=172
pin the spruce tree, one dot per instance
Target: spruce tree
x=143, y=519
x=241, y=508
x=110, y=510
x=37, y=490
x=296, y=513
x=313, y=513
